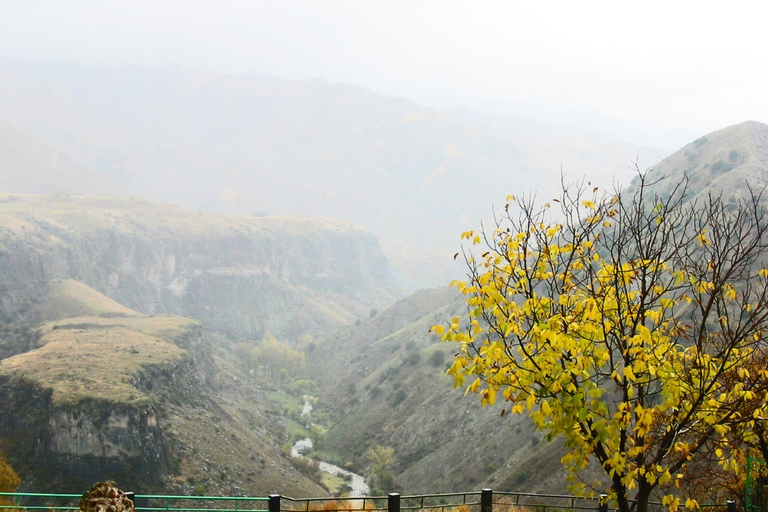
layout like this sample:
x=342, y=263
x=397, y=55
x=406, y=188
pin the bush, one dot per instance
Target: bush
x=308, y=467
x=721, y=167
x=399, y=396
x=412, y=358
x=700, y=142
x=437, y=358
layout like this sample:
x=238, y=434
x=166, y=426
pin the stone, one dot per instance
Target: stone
x=106, y=497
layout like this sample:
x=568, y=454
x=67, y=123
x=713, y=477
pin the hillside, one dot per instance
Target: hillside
x=384, y=378
x=240, y=276
x=727, y=162
x=248, y=144
x=139, y=399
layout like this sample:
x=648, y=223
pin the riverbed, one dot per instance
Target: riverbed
x=356, y=482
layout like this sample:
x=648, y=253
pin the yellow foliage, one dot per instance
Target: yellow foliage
x=610, y=339
x=9, y=480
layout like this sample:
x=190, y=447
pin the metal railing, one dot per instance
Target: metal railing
x=429, y=502
x=477, y=501
x=144, y=502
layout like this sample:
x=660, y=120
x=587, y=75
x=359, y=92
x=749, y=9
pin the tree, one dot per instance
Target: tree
x=317, y=435
x=271, y=359
x=9, y=480
x=381, y=458
x=631, y=326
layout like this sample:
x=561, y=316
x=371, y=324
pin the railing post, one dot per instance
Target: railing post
x=486, y=500
x=274, y=503
x=131, y=496
x=730, y=506
x=393, y=502
x=603, y=503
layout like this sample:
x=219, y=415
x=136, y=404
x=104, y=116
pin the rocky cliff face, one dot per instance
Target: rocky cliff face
x=137, y=399
x=61, y=441
x=60, y=448
x=238, y=275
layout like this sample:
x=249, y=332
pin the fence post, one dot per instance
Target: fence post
x=274, y=503
x=730, y=506
x=131, y=496
x=393, y=502
x=603, y=503
x=486, y=500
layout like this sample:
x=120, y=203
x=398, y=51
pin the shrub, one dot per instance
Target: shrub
x=412, y=358
x=721, y=167
x=700, y=142
x=437, y=358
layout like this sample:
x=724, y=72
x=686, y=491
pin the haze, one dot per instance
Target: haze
x=653, y=73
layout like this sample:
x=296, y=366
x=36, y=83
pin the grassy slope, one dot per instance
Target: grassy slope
x=71, y=212
x=385, y=381
x=91, y=346
x=727, y=161
x=66, y=298
x=91, y=362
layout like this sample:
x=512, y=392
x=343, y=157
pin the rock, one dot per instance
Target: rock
x=106, y=497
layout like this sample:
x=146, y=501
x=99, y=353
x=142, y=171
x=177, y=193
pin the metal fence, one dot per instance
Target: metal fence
x=479, y=501
x=144, y=502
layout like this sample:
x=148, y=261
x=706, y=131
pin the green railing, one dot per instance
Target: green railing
x=479, y=501
x=144, y=502
x=757, y=476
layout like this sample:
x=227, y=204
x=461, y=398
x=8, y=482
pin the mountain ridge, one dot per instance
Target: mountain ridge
x=289, y=276
x=246, y=144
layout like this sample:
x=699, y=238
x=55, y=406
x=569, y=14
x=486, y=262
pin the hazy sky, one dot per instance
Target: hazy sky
x=687, y=67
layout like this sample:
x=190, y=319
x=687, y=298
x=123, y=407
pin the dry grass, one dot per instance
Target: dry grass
x=354, y=504
x=96, y=357
x=164, y=327
x=506, y=505
x=21, y=212
x=66, y=298
x=341, y=505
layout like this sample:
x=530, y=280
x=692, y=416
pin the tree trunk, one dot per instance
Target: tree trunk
x=643, y=495
x=622, y=500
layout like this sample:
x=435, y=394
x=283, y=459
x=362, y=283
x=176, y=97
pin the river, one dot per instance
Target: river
x=356, y=482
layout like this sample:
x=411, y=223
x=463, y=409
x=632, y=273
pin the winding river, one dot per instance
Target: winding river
x=302, y=446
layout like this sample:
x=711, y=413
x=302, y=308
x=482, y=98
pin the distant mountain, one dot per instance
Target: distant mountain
x=414, y=176
x=29, y=165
